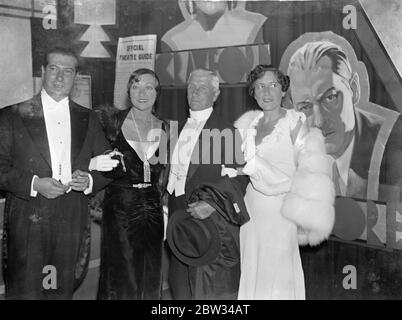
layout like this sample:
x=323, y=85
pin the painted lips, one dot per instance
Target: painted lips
x=327, y=134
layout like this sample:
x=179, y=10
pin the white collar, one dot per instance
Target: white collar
x=48, y=101
x=201, y=115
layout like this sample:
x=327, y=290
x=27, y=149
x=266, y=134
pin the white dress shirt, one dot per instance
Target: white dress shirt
x=343, y=165
x=183, y=150
x=58, y=129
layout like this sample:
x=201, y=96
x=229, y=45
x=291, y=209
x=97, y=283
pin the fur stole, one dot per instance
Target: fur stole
x=247, y=121
x=310, y=201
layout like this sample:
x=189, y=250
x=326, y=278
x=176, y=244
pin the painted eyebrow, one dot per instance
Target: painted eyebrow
x=319, y=96
x=325, y=92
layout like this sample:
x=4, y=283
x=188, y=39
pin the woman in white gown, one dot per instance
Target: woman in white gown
x=290, y=197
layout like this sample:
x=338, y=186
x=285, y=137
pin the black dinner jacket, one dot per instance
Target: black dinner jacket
x=24, y=147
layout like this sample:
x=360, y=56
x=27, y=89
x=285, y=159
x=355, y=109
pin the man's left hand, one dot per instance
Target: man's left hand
x=200, y=210
x=80, y=180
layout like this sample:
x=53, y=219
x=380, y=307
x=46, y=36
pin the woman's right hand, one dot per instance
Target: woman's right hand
x=104, y=162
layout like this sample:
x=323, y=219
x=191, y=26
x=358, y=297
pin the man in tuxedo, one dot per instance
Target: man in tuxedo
x=45, y=149
x=206, y=206
x=324, y=86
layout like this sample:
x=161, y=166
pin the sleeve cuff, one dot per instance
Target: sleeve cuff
x=91, y=185
x=33, y=192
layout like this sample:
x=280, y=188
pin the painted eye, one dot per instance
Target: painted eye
x=330, y=97
x=260, y=86
x=274, y=84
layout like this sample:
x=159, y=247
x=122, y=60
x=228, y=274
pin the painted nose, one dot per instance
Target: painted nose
x=317, y=116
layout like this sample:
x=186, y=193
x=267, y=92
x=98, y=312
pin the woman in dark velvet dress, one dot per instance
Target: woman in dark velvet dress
x=132, y=222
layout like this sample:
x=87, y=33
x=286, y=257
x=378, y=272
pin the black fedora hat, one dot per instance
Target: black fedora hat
x=193, y=241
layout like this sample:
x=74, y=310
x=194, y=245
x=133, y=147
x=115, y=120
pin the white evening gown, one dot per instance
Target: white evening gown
x=270, y=261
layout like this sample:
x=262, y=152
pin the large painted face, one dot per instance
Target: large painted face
x=268, y=92
x=326, y=98
x=200, y=92
x=211, y=7
x=58, y=75
x=143, y=92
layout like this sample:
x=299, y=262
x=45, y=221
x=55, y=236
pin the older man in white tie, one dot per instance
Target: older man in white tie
x=204, y=199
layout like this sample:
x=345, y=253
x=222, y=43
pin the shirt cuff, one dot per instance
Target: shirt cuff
x=91, y=185
x=33, y=192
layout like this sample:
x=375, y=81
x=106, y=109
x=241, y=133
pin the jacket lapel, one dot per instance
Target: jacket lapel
x=79, y=127
x=34, y=122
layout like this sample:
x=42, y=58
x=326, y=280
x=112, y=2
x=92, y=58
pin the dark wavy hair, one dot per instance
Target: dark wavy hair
x=259, y=71
x=63, y=50
x=135, y=77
